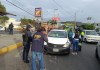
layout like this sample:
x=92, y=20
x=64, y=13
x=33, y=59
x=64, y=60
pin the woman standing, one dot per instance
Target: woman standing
x=76, y=37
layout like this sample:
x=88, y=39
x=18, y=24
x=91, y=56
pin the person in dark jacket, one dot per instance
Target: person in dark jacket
x=27, y=39
x=37, y=47
x=11, y=28
x=70, y=35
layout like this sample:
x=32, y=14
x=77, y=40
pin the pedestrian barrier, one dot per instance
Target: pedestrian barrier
x=10, y=48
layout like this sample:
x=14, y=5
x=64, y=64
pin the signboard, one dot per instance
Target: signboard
x=38, y=12
x=56, y=18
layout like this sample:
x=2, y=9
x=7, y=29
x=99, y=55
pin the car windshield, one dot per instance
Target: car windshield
x=58, y=34
x=91, y=33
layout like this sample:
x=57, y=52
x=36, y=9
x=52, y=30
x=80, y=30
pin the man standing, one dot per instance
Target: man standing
x=11, y=28
x=37, y=47
x=27, y=38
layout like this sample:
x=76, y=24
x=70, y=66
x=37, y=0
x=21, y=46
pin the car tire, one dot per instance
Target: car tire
x=68, y=51
x=96, y=53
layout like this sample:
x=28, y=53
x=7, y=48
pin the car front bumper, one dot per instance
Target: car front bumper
x=56, y=50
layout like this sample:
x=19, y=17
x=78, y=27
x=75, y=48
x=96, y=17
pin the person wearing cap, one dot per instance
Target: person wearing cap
x=27, y=38
x=37, y=47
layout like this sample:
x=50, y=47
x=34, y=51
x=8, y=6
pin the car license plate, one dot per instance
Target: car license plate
x=55, y=50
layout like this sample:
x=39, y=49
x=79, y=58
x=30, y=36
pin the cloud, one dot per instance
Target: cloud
x=66, y=8
x=88, y=0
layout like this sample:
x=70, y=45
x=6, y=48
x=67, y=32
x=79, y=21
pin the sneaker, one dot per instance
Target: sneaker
x=73, y=53
x=76, y=53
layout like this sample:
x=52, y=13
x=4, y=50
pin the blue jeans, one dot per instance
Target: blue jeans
x=75, y=45
x=38, y=55
x=26, y=50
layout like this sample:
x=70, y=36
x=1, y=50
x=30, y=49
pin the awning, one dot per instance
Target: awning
x=5, y=13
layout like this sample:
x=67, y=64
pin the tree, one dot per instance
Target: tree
x=3, y=19
x=2, y=8
x=88, y=26
x=25, y=21
x=53, y=22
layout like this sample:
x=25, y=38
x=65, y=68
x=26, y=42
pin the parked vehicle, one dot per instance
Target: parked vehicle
x=91, y=36
x=97, y=51
x=2, y=28
x=58, y=42
x=98, y=33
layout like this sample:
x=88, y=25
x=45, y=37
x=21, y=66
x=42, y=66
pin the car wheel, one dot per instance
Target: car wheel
x=96, y=53
x=68, y=52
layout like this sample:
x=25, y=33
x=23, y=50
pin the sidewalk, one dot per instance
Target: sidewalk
x=6, y=39
x=13, y=59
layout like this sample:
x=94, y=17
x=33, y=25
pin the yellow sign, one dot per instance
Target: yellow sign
x=38, y=12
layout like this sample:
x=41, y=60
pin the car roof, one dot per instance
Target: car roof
x=58, y=30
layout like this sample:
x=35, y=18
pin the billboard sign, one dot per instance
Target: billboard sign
x=38, y=12
x=56, y=18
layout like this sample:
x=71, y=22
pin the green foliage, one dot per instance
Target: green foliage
x=2, y=8
x=3, y=19
x=97, y=29
x=88, y=26
x=25, y=21
x=52, y=22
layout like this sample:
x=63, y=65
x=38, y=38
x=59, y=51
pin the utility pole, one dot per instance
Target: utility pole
x=56, y=16
x=75, y=19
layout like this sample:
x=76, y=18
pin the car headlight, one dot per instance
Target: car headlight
x=66, y=44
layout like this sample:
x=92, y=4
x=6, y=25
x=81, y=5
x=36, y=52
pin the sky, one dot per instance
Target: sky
x=64, y=9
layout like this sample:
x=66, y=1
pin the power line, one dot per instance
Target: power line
x=19, y=7
x=60, y=6
x=21, y=3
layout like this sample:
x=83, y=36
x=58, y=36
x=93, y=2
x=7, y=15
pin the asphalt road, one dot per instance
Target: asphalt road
x=85, y=60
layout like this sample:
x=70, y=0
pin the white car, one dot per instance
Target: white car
x=2, y=28
x=58, y=42
x=91, y=36
x=97, y=51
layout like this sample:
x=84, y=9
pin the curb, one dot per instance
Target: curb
x=10, y=48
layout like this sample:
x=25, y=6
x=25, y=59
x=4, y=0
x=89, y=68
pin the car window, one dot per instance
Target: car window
x=91, y=33
x=58, y=34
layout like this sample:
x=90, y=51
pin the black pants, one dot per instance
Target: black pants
x=26, y=50
x=10, y=31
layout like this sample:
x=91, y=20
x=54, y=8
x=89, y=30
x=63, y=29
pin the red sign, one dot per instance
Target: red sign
x=56, y=18
x=38, y=12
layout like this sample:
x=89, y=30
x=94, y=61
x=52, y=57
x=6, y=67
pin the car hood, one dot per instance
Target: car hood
x=57, y=40
x=94, y=36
